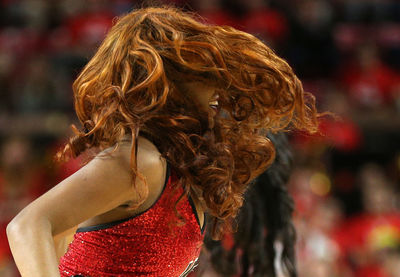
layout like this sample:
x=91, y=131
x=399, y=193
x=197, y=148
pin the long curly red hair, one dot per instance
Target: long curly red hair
x=132, y=85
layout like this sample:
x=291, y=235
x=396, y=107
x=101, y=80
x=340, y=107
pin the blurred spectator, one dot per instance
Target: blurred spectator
x=310, y=47
x=265, y=22
x=15, y=179
x=369, y=81
x=391, y=264
x=319, y=268
x=318, y=219
x=15, y=176
x=367, y=237
x=342, y=133
x=41, y=91
x=213, y=12
x=88, y=28
x=369, y=11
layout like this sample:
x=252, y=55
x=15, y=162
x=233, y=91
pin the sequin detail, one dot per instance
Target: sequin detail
x=150, y=244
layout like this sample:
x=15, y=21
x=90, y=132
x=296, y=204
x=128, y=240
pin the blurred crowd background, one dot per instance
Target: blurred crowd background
x=347, y=52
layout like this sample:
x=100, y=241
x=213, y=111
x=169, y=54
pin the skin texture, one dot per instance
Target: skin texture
x=205, y=96
x=99, y=192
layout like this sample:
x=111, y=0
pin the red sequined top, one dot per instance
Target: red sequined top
x=148, y=244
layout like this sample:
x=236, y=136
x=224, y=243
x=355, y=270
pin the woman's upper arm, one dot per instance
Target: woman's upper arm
x=101, y=185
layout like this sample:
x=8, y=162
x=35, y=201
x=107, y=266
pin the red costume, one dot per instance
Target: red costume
x=152, y=243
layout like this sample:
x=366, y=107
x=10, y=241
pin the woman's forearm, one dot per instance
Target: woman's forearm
x=32, y=246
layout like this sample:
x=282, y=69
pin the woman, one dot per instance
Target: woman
x=177, y=112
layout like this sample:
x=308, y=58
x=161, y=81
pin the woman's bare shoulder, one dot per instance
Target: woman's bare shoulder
x=100, y=186
x=148, y=158
x=150, y=163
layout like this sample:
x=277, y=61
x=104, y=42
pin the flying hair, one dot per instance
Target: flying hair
x=133, y=85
